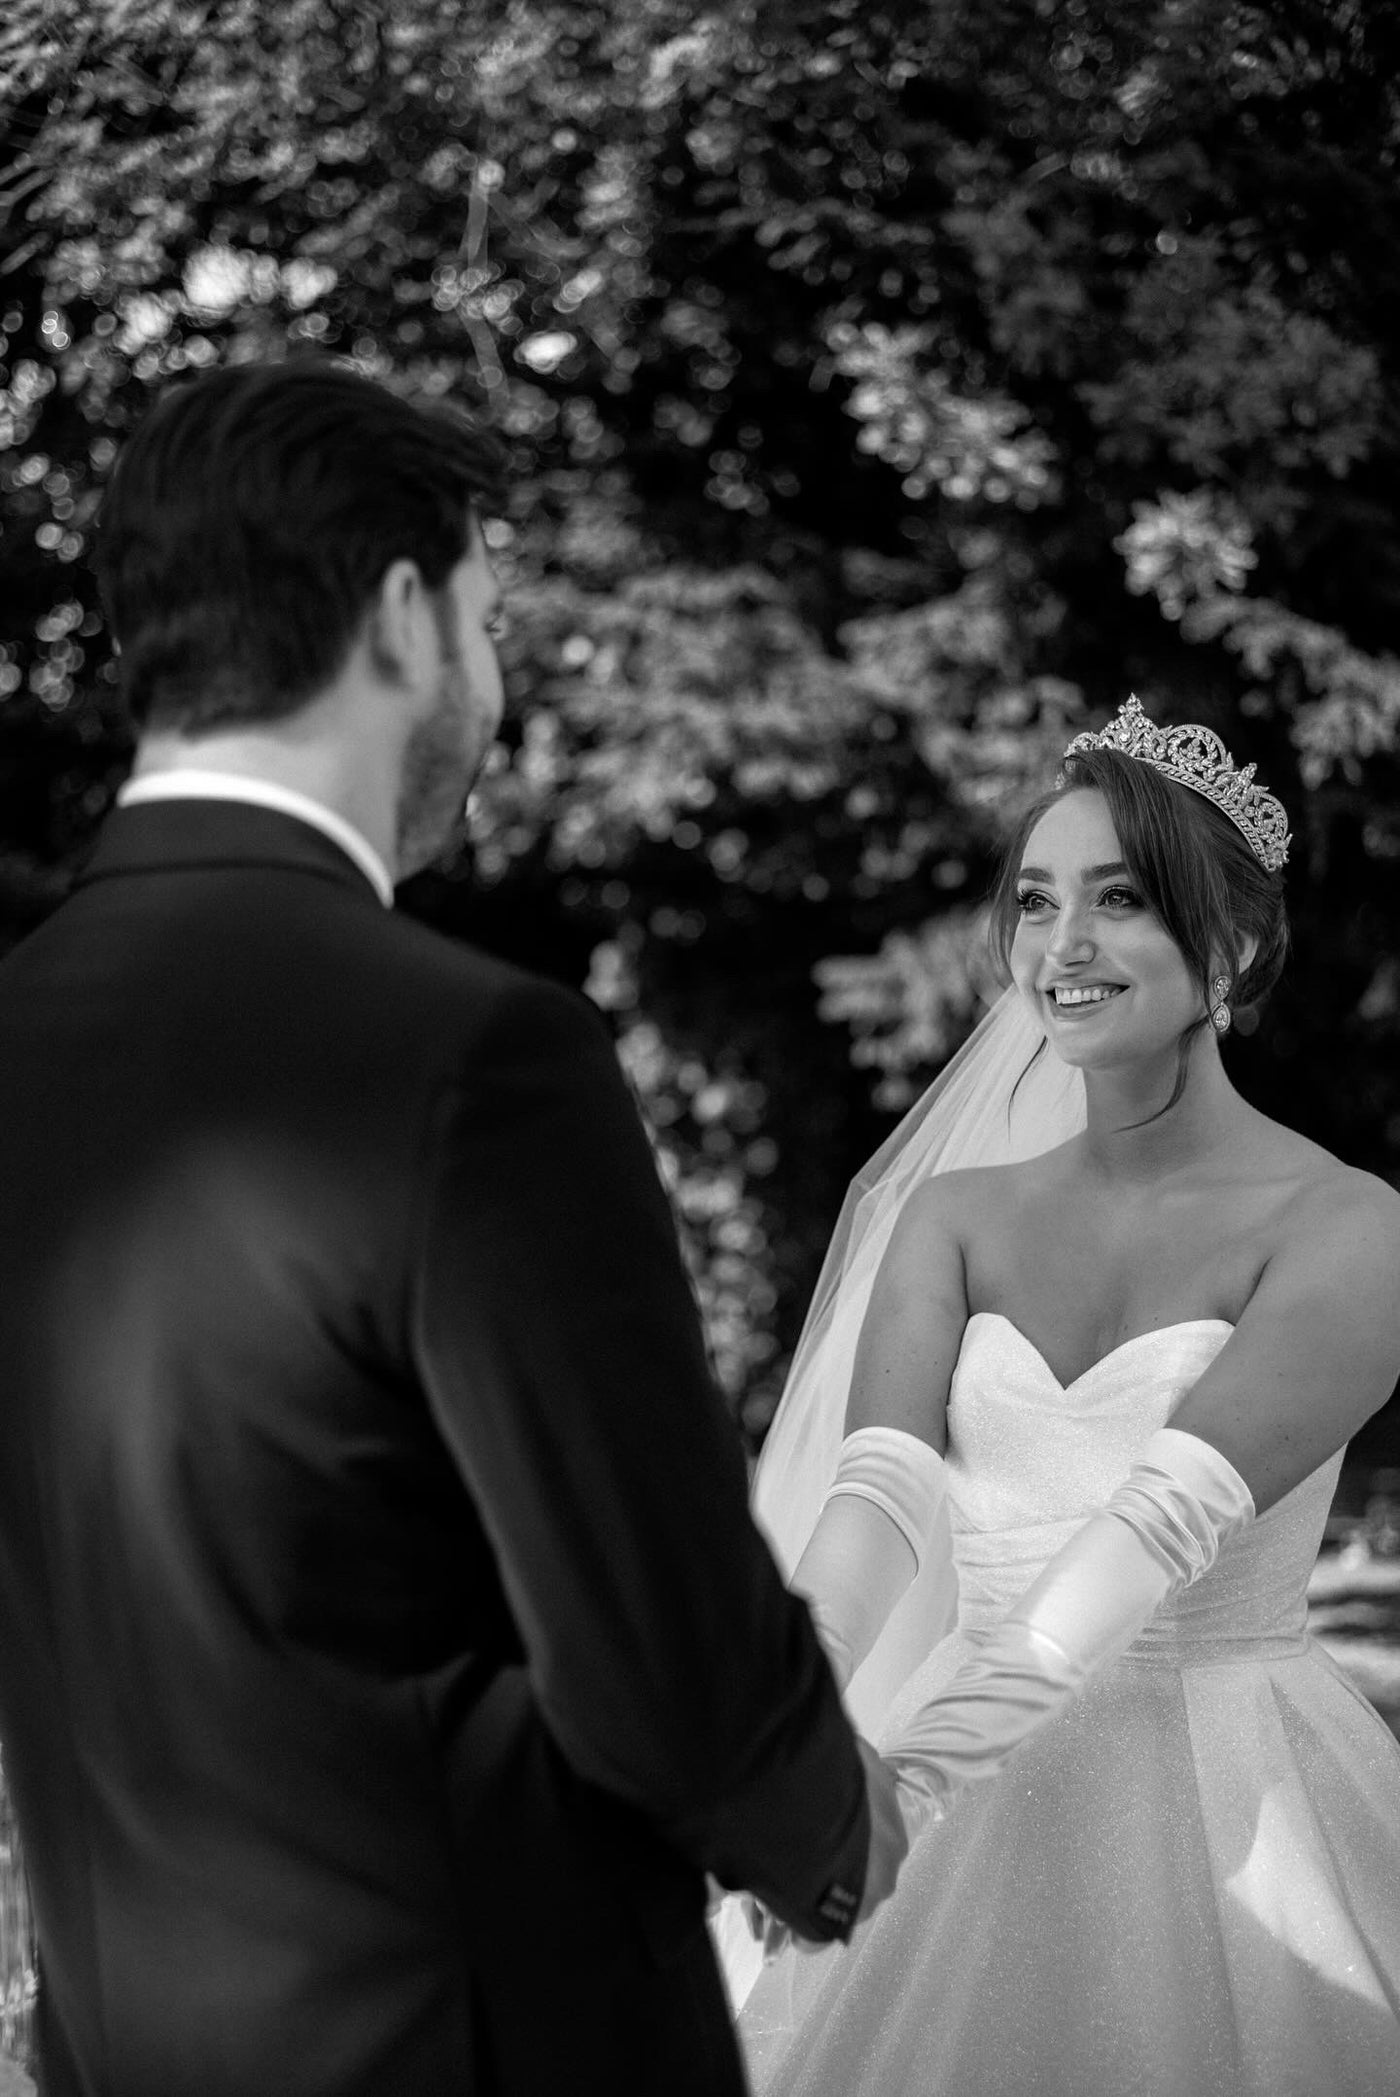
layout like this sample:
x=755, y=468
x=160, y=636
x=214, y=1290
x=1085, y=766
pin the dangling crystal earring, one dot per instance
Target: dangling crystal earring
x=1220, y=1010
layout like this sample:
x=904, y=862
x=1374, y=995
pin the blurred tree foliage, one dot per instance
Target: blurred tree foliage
x=891, y=388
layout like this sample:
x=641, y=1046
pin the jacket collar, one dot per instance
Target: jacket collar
x=178, y=836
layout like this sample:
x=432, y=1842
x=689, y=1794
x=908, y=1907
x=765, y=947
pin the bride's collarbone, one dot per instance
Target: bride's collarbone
x=1067, y=1208
x=1082, y=1270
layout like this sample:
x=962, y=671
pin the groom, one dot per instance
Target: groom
x=385, y=1649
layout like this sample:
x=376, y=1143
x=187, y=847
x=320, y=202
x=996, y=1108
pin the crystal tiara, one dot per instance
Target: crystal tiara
x=1193, y=756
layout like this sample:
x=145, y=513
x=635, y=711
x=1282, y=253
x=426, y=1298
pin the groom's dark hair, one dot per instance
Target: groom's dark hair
x=249, y=523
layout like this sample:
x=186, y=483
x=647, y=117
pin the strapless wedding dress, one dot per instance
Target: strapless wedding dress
x=1188, y=1885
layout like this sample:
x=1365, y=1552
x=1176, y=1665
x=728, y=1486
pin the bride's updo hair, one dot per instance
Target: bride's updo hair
x=1196, y=872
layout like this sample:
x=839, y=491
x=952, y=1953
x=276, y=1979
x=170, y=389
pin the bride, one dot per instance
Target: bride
x=1156, y=1832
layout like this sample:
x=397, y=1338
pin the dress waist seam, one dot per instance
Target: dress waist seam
x=1221, y=1652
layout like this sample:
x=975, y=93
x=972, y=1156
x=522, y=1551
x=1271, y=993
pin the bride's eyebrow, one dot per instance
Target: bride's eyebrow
x=1090, y=873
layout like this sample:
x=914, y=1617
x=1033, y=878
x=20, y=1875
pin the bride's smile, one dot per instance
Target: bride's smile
x=1082, y=997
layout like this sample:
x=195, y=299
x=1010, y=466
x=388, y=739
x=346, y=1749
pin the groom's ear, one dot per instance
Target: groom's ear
x=398, y=630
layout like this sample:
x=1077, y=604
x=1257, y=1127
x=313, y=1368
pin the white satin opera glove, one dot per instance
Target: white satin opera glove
x=1158, y=1533
x=866, y=1549
x=870, y=1539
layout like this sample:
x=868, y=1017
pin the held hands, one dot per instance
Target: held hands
x=863, y=1554
x=889, y=1838
x=889, y=1846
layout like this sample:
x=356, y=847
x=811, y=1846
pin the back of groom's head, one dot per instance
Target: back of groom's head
x=249, y=523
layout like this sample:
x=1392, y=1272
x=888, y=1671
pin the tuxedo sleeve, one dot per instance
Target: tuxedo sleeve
x=558, y=1342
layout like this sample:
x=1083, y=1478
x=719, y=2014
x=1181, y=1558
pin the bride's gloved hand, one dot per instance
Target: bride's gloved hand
x=869, y=1541
x=1157, y=1534
x=865, y=1550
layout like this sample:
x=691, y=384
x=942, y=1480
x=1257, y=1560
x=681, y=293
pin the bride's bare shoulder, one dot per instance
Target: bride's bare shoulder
x=1327, y=1206
x=1322, y=1183
x=958, y=1201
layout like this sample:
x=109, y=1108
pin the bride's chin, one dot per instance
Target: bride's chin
x=1085, y=1046
x=1083, y=1040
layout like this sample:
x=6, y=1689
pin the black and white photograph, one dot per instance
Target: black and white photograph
x=699, y=1048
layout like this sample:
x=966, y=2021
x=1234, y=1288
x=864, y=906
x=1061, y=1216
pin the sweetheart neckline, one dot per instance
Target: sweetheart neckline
x=1155, y=1332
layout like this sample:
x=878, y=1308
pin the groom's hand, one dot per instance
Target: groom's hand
x=889, y=1838
x=889, y=1846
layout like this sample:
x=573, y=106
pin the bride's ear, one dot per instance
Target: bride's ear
x=1246, y=947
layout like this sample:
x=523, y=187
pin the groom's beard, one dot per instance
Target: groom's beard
x=443, y=755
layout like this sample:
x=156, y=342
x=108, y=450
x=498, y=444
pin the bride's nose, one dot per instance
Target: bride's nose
x=1070, y=939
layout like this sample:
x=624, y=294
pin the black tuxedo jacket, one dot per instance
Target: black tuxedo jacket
x=385, y=1648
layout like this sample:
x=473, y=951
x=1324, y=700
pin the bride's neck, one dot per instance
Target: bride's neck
x=1129, y=1138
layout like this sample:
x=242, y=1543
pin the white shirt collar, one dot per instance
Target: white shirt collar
x=189, y=783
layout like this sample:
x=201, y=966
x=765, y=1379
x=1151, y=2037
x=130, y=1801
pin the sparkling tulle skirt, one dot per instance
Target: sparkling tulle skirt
x=1188, y=1886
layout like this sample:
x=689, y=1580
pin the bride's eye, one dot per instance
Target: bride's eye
x=1122, y=898
x=1030, y=902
